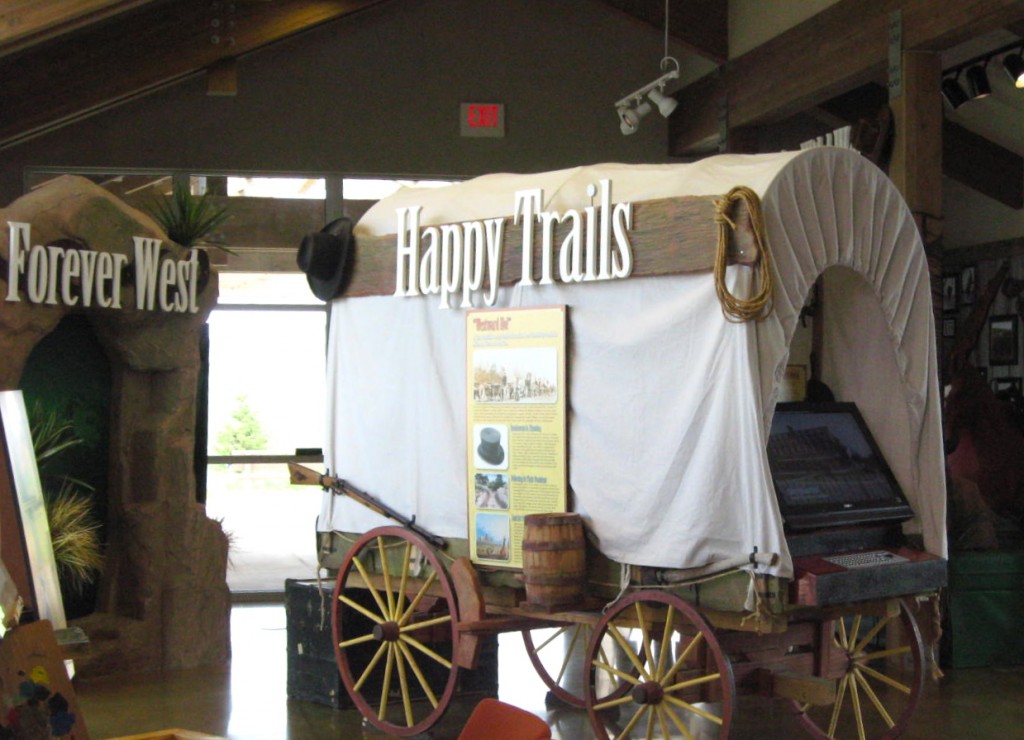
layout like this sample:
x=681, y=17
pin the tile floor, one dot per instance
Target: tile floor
x=247, y=701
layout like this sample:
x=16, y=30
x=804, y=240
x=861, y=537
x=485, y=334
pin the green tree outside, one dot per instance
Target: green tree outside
x=243, y=433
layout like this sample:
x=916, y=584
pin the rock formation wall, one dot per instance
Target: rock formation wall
x=164, y=601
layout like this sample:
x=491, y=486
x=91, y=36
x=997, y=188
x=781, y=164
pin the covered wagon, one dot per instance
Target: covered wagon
x=629, y=330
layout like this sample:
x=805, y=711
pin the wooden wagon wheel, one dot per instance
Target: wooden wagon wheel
x=559, y=655
x=394, y=633
x=679, y=679
x=878, y=686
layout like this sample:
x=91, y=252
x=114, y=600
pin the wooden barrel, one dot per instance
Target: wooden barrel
x=554, y=560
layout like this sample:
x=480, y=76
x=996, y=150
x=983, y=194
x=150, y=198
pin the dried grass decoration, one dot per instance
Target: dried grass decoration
x=74, y=529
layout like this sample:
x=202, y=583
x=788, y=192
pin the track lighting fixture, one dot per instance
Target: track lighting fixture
x=665, y=104
x=633, y=107
x=1014, y=66
x=976, y=77
x=630, y=118
x=977, y=82
x=953, y=92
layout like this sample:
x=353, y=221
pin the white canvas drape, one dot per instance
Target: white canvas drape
x=669, y=402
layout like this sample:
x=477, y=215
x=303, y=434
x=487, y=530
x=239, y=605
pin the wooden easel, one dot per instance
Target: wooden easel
x=25, y=545
x=34, y=684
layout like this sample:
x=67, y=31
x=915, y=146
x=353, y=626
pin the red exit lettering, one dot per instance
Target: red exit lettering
x=482, y=116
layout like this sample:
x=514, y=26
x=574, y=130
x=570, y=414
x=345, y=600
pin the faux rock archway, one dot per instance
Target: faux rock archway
x=163, y=598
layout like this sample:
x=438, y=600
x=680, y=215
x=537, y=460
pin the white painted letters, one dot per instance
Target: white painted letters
x=457, y=256
x=53, y=275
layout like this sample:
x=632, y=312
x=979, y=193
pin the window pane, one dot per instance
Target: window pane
x=267, y=388
x=271, y=523
x=368, y=188
x=277, y=187
x=266, y=288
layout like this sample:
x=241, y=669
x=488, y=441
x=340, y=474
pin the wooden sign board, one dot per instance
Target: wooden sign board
x=669, y=236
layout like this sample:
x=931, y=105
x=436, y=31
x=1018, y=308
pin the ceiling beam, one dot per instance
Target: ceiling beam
x=983, y=165
x=844, y=46
x=702, y=26
x=968, y=158
x=24, y=23
x=100, y=65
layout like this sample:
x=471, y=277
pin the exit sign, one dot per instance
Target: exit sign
x=482, y=119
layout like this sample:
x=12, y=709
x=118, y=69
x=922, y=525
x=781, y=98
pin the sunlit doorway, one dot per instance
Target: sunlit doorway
x=266, y=394
x=266, y=407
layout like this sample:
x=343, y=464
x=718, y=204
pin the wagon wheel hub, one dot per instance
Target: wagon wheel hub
x=851, y=660
x=386, y=631
x=650, y=692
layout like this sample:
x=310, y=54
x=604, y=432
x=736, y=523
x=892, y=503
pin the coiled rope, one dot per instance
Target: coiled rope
x=759, y=305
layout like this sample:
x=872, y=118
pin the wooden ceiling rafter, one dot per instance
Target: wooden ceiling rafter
x=968, y=157
x=133, y=53
x=26, y=23
x=839, y=49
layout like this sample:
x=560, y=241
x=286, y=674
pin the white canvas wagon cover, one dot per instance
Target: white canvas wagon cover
x=669, y=402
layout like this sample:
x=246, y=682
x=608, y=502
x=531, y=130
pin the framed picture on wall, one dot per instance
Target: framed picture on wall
x=1002, y=340
x=794, y=383
x=949, y=327
x=968, y=285
x=1007, y=386
x=949, y=293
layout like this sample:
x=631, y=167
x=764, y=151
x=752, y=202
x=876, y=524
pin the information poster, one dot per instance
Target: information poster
x=516, y=414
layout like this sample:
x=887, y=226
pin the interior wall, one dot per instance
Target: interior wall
x=379, y=93
x=971, y=218
x=752, y=22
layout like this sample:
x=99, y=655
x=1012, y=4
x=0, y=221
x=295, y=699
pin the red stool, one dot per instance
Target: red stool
x=510, y=722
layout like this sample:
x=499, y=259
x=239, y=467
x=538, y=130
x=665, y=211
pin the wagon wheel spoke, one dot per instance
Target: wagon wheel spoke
x=873, y=698
x=403, y=681
x=394, y=631
x=677, y=674
x=371, y=665
x=388, y=593
x=880, y=677
x=676, y=721
x=424, y=684
x=660, y=710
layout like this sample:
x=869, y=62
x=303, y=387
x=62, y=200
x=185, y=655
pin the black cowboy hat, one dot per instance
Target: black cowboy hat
x=324, y=257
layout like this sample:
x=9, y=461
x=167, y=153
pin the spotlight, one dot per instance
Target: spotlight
x=977, y=82
x=630, y=118
x=665, y=104
x=953, y=93
x=1014, y=66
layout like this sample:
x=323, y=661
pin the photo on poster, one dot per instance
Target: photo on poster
x=492, y=536
x=516, y=375
x=491, y=491
x=490, y=446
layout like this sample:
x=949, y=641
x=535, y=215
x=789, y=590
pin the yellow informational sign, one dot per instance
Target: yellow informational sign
x=515, y=406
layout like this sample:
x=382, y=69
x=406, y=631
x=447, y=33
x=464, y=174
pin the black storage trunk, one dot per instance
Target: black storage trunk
x=312, y=670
